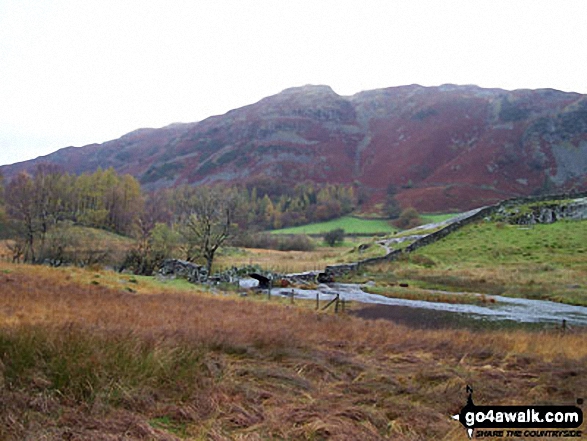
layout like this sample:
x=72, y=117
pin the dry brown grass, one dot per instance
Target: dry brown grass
x=220, y=367
x=282, y=261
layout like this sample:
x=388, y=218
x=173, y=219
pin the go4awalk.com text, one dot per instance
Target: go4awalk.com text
x=520, y=421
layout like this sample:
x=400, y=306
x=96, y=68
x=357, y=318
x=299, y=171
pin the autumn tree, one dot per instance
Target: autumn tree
x=47, y=197
x=151, y=250
x=391, y=207
x=50, y=198
x=270, y=204
x=34, y=204
x=123, y=201
x=104, y=199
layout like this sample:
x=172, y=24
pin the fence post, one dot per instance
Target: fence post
x=269, y=290
x=331, y=302
x=292, y=297
x=317, y=301
x=336, y=305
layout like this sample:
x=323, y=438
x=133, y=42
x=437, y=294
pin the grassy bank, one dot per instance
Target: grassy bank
x=542, y=262
x=87, y=361
x=412, y=293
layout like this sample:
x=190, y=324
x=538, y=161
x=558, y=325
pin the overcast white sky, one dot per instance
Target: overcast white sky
x=77, y=72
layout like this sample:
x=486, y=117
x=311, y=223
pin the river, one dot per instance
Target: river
x=436, y=314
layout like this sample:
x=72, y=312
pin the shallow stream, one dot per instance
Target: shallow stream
x=435, y=314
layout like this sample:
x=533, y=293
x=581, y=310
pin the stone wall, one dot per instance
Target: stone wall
x=183, y=269
x=197, y=274
x=338, y=270
x=194, y=273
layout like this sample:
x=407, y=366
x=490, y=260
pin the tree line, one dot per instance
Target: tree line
x=42, y=213
x=35, y=205
x=271, y=205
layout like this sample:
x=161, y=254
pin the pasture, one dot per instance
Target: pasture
x=350, y=224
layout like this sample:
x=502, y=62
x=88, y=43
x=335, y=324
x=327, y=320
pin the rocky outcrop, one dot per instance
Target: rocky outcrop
x=544, y=212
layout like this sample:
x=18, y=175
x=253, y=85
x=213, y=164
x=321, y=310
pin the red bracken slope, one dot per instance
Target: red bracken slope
x=446, y=148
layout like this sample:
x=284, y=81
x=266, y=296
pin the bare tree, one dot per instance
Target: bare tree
x=3, y=225
x=47, y=197
x=34, y=205
x=206, y=221
x=20, y=205
x=1, y=189
x=155, y=241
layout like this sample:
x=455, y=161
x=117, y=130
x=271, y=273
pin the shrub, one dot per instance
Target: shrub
x=409, y=218
x=334, y=236
x=297, y=242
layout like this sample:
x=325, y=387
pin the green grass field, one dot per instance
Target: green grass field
x=350, y=224
x=430, y=218
x=542, y=262
x=561, y=244
x=356, y=225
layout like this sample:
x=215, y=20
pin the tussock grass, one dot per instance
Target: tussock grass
x=93, y=362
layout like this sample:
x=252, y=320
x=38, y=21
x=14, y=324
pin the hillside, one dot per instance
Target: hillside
x=446, y=148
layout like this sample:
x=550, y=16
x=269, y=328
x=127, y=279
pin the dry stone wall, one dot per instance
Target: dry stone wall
x=578, y=211
x=545, y=213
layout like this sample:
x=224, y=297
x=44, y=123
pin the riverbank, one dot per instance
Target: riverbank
x=541, y=262
x=501, y=309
